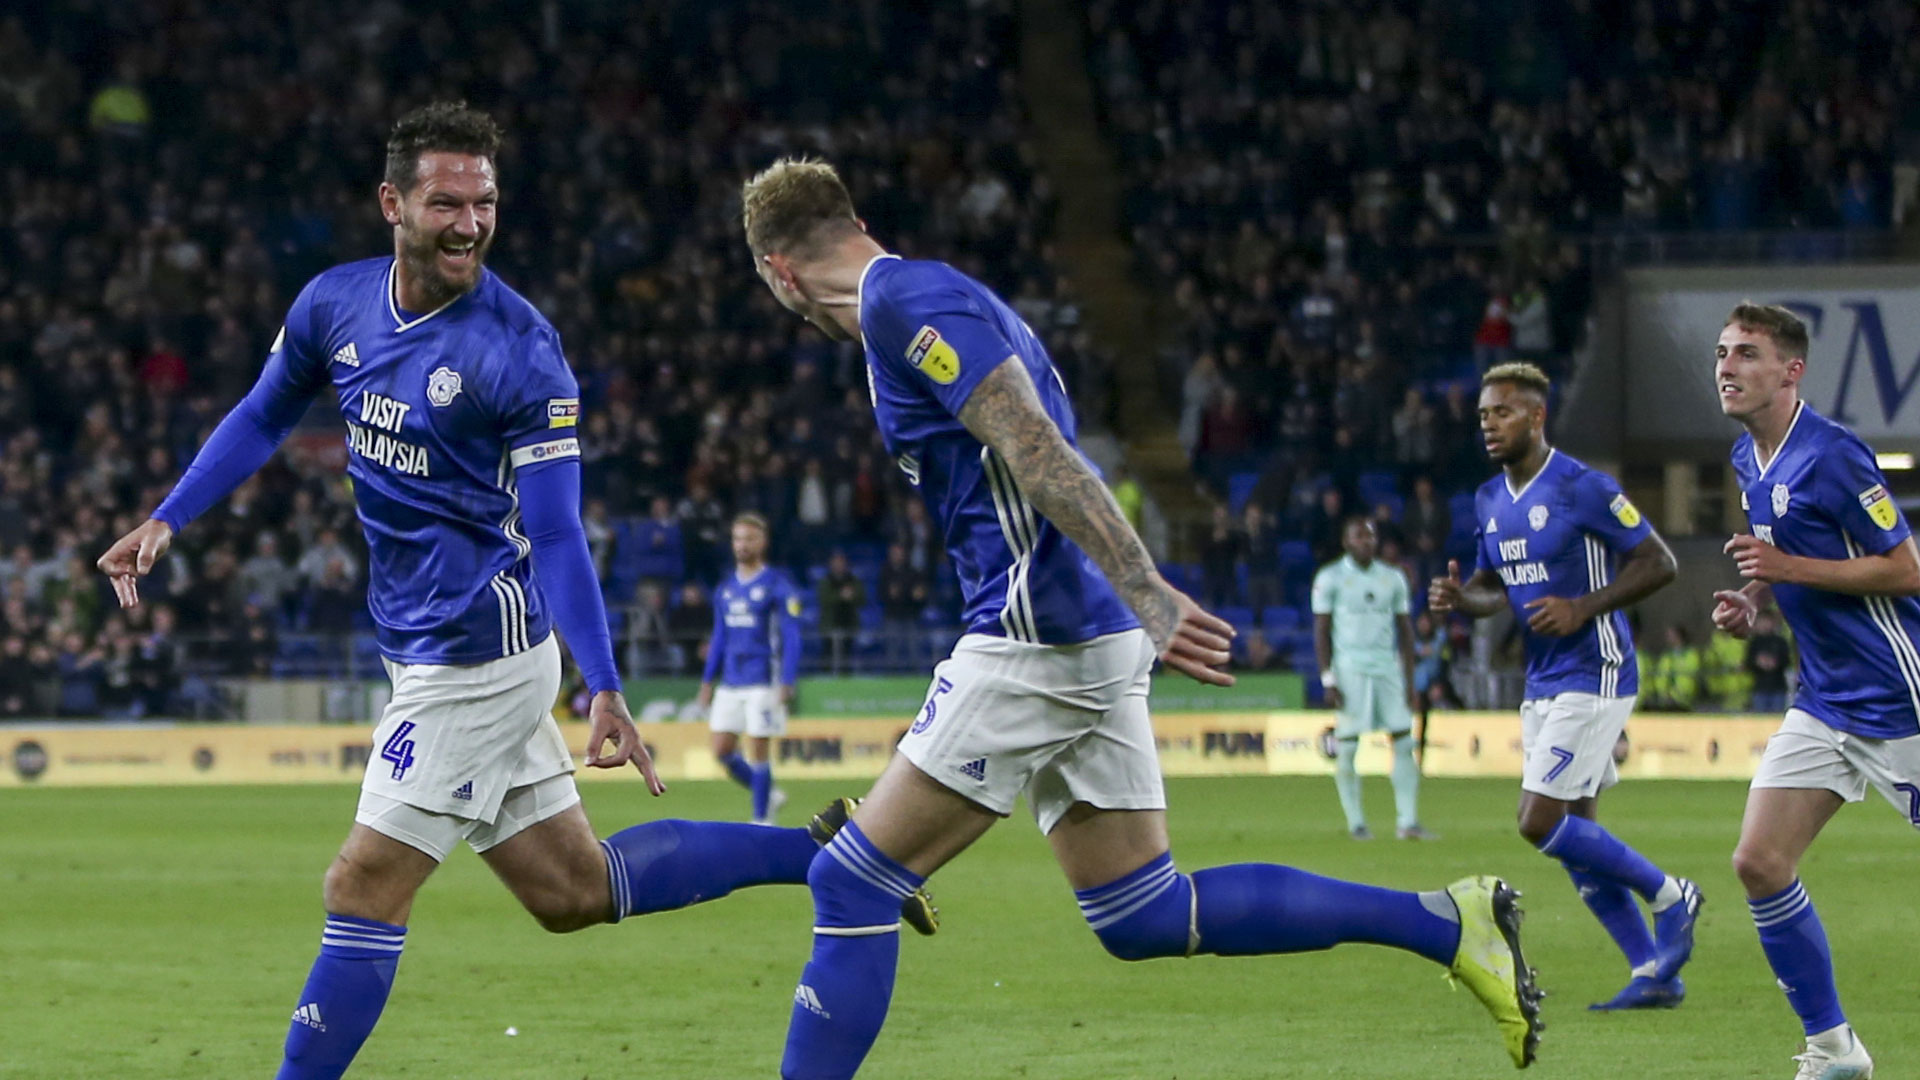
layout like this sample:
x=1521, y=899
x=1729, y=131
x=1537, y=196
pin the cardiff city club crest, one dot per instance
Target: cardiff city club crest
x=1781, y=498
x=1537, y=517
x=443, y=386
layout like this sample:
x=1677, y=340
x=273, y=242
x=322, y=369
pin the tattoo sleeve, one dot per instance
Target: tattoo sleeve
x=1005, y=414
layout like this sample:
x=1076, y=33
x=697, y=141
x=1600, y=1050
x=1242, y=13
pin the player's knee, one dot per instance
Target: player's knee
x=1537, y=821
x=1161, y=927
x=1762, y=871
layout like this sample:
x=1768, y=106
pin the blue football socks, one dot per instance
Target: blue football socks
x=844, y=992
x=1796, y=947
x=1254, y=908
x=662, y=865
x=345, y=992
x=1613, y=904
x=761, y=785
x=738, y=768
x=1583, y=845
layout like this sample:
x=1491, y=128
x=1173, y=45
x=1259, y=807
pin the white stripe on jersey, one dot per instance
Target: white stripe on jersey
x=1611, y=655
x=1880, y=610
x=1016, y=524
x=511, y=524
x=513, y=613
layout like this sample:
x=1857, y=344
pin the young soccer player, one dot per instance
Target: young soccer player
x=1046, y=693
x=461, y=418
x=756, y=626
x=1561, y=544
x=1363, y=638
x=1832, y=549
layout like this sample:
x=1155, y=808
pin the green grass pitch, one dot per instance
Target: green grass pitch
x=163, y=933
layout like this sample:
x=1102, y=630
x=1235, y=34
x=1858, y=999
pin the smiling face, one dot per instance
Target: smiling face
x=1751, y=372
x=1512, y=420
x=443, y=224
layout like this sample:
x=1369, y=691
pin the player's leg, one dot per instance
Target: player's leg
x=1349, y=722
x=766, y=720
x=1803, y=780
x=1392, y=716
x=907, y=827
x=1101, y=804
x=1569, y=756
x=368, y=894
x=726, y=720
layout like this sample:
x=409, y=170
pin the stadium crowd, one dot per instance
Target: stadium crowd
x=1349, y=208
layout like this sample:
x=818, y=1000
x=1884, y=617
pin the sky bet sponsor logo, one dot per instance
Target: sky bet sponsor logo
x=563, y=412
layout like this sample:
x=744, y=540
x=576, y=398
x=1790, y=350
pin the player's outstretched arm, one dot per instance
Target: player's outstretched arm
x=1648, y=568
x=1896, y=572
x=1005, y=414
x=550, y=512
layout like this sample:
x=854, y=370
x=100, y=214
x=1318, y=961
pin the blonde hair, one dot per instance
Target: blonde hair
x=793, y=204
x=752, y=521
x=1521, y=374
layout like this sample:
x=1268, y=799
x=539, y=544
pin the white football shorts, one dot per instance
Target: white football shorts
x=754, y=711
x=468, y=752
x=1371, y=703
x=1061, y=723
x=1806, y=753
x=1568, y=743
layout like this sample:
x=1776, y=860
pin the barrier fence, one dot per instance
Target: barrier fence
x=1262, y=742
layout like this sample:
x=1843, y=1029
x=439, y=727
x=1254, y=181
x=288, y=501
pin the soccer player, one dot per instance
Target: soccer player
x=461, y=416
x=746, y=645
x=1832, y=549
x=1363, y=638
x=1046, y=693
x=1561, y=544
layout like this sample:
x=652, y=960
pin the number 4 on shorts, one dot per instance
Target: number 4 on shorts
x=398, y=749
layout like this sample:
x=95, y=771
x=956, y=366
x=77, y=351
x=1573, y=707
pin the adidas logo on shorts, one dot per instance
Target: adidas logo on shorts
x=464, y=791
x=976, y=768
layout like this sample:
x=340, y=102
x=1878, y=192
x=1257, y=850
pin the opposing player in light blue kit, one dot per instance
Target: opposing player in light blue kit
x=755, y=655
x=461, y=421
x=1561, y=544
x=1046, y=693
x=1837, y=555
x=1364, y=642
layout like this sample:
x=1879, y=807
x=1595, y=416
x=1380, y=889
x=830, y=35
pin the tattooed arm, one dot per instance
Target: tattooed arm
x=1005, y=414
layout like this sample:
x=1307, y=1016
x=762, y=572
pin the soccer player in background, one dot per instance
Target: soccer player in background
x=756, y=625
x=1046, y=693
x=461, y=419
x=1831, y=548
x=1561, y=544
x=1363, y=638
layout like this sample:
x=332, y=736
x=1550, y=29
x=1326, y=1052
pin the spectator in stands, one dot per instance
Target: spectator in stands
x=1416, y=432
x=1323, y=525
x=1221, y=555
x=1431, y=653
x=903, y=599
x=17, y=678
x=658, y=552
x=703, y=529
x=1260, y=549
x=258, y=644
x=155, y=666
x=1675, y=682
x=1768, y=661
x=81, y=666
x=1728, y=686
x=842, y=596
x=650, y=636
x=1127, y=493
x=691, y=628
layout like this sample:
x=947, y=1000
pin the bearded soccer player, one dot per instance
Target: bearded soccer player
x=1561, y=545
x=461, y=419
x=1831, y=548
x=1046, y=693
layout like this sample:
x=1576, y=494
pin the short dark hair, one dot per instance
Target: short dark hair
x=1787, y=332
x=1521, y=374
x=448, y=127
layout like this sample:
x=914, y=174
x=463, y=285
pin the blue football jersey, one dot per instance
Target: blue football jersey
x=442, y=409
x=755, y=626
x=931, y=334
x=1563, y=535
x=1823, y=497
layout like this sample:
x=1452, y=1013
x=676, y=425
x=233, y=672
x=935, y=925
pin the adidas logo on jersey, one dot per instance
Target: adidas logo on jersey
x=977, y=768
x=1493, y=526
x=804, y=997
x=310, y=1016
x=464, y=791
x=347, y=354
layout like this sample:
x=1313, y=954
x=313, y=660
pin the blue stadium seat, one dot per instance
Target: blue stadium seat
x=1239, y=489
